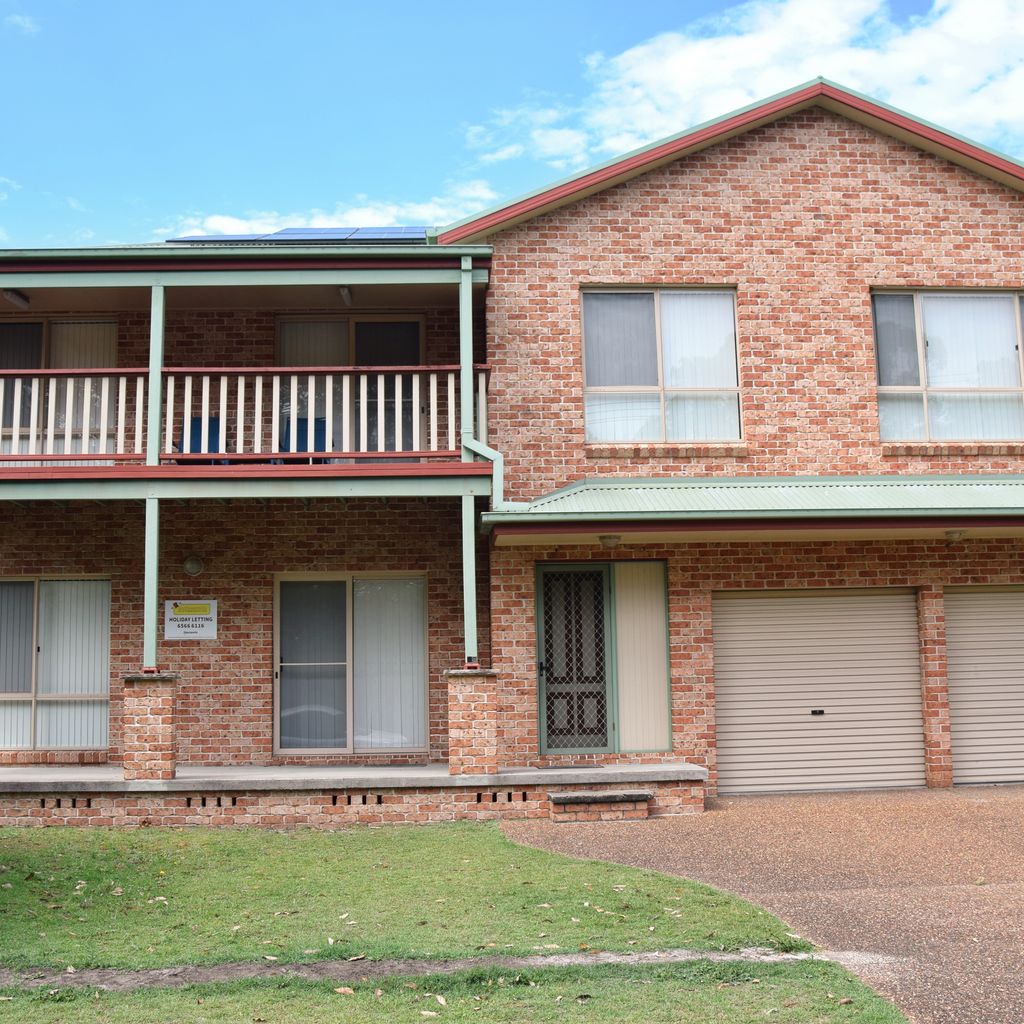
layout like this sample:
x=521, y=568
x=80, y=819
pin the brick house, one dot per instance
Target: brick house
x=698, y=472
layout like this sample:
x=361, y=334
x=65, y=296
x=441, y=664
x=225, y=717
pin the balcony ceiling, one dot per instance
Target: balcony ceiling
x=365, y=298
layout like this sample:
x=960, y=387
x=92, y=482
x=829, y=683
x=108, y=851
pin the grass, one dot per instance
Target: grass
x=794, y=993
x=159, y=897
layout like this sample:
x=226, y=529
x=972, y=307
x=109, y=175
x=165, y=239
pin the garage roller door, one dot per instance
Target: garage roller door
x=985, y=648
x=817, y=690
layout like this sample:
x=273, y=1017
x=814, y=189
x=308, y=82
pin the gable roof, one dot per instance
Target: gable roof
x=820, y=93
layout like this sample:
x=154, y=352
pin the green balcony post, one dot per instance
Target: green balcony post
x=156, y=369
x=469, y=580
x=151, y=585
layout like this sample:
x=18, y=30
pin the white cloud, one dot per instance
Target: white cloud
x=74, y=204
x=509, y=152
x=7, y=186
x=961, y=65
x=23, y=23
x=453, y=204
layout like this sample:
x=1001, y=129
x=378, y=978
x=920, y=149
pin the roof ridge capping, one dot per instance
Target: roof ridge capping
x=820, y=91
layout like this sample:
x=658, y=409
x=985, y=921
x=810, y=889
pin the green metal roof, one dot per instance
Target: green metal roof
x=209, y=250
x=641, y=499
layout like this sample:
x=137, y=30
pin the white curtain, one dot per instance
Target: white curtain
x=623, y=417
x=389, y=663
x=901, y=417
x=698, y=332
x=620, y=347
x=971, y=340
x=699, y=417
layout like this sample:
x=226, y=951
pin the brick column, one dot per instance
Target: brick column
x=938, y=750
x=472, y=721
x=148, y=726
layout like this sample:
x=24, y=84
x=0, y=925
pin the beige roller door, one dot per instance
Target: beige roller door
x=817, y=690
x=985, y=648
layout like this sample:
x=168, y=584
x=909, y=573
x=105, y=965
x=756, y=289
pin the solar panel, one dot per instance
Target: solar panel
x=340, y=235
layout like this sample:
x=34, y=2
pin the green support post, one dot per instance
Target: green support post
x=151, y=585
x=466, y=382
x=469, y=580
x=466, y=396
x=156, y=370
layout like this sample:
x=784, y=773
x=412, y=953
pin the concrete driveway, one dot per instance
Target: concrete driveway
x=927, y=886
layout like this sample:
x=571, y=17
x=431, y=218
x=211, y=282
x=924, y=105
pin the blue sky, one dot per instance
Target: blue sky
x=133, y=122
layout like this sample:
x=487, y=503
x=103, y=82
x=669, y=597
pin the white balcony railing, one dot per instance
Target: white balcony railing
x=94, y=416
x=215, y=415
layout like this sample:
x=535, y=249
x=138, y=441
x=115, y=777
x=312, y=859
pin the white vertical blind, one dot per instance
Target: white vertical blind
x=698, y=331
x=971, y=340
x=389, y=663
x=15, y=724
x=978, y=417
x=623, y=417
x=313, y=343
x=702, y=417
x=619, y=339
x=74, y=637
x=901, y=417
x=71, y=723
x=73, y=660
x=17, y=606
x=78, y=344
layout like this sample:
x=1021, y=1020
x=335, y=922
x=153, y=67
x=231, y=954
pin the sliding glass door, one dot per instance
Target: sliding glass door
x=351, y=671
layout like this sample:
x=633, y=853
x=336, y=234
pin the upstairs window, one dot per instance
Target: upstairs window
x=949, y=366
x=660, y=365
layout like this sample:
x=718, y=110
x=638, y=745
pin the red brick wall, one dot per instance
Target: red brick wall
x=327, y=809
x=802, y=217
x=695, y=571
x=249, y=337
x=225, y=693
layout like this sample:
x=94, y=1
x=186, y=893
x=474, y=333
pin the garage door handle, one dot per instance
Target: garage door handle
x=817, y=711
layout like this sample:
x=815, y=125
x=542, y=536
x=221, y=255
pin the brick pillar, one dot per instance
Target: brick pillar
x=472, y=721
x=148, y=726
x=938, y=750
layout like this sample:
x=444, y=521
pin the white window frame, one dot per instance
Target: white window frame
x=661, y=389
x=52, y=698
x=349, y=579
x=922, y=388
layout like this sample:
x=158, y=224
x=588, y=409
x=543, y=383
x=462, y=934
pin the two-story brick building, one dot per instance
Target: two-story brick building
x=710, y=456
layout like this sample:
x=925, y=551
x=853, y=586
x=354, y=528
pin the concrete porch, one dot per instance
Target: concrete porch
x=109, y=778
x=337, y=797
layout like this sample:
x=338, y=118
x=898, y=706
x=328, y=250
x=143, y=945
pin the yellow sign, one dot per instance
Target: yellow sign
x=180, y=608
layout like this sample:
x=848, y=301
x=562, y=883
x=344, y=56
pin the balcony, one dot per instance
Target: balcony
x=213, y=417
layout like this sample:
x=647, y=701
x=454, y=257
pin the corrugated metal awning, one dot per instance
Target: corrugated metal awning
x=709, y=498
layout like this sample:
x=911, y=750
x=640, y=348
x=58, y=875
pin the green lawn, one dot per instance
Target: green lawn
x=156, y=897
x=795, y=993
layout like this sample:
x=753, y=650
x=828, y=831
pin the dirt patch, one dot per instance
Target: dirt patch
x=113, y=980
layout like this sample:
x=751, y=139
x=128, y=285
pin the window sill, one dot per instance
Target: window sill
x=661, y=450
x=955, y=448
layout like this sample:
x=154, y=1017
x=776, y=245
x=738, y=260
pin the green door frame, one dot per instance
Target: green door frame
x=610, y=659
